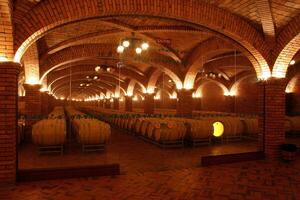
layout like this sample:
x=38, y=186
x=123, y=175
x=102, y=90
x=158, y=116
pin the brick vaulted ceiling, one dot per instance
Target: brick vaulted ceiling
x=93, y=42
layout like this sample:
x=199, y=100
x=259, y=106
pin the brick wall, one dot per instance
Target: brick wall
x=213, y=98
x=8, y=121
x=33, y=104
x=247, y=96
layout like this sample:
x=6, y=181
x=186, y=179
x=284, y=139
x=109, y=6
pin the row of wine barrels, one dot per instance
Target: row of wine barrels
x=159, y=129
x=88, y=131
x=197, y=129
x=51, y=131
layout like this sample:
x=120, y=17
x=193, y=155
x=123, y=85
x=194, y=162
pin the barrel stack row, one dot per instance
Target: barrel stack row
x=91, y=133
x=50, y=134
x=199, y=131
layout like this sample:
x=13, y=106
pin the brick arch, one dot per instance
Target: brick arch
x=160, y=91
x=92, y=51
x=234, y=87
x=196, y=59
x=131, y=86
x=32, y=28
x=65, y=81
x=6, y=37
x=155, y=76
x=101, y=86
x=63, y=91
x=54, y=80
x=118, y=93
x=288, y=45
x=127, y=70
x=31, y=65
x=198, y=91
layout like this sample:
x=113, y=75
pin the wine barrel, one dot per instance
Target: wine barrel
x=251, y=126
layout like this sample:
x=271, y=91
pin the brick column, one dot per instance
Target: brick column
x=185, y=103
x=273, y=116
x=128, y=104
x=149, y=104
x=8, y=121
x=33, y=103
x=45, y=104
x=116, y=104
x=107, y=104
x=101, y=103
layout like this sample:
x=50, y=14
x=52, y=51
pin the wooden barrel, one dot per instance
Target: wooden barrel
x=251, y=126
x=199, y=129
x=90, y=131
x=49, y=132
x=167, y=132
x=233, y=126
x=151, y=127
x=138, y=125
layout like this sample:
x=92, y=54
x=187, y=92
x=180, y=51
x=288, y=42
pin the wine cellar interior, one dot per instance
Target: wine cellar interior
x=101, y=88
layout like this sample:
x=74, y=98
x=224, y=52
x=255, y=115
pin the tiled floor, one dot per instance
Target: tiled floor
x=249, y=180
x=133, y=154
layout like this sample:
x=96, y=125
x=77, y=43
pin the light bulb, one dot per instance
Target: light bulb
x=120, y=49
x=95, y=77
x=87, y=77
x=145, y=46
x=138, y=50
x=292, y=62
x=126, y=43
x=97, y=69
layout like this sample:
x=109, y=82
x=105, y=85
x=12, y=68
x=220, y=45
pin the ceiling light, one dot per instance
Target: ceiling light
x=126, y=43
x=97, y=69
x=82, y=84
x=95, y=77
x=88, y=77
x=88, y=85
x=145, y=46
x=138, y=50
x=120, y=49
x=292, y=62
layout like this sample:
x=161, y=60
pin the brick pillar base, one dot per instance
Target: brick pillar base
x=33, y=103
x=185, y=103
x=128, y=104
x=149, y=104
x=8, y=121
x=273, y=117
x=116, y=104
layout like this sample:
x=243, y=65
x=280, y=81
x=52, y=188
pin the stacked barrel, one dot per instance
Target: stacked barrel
x=50, y=133
x=202, y=129
x=91, y=133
